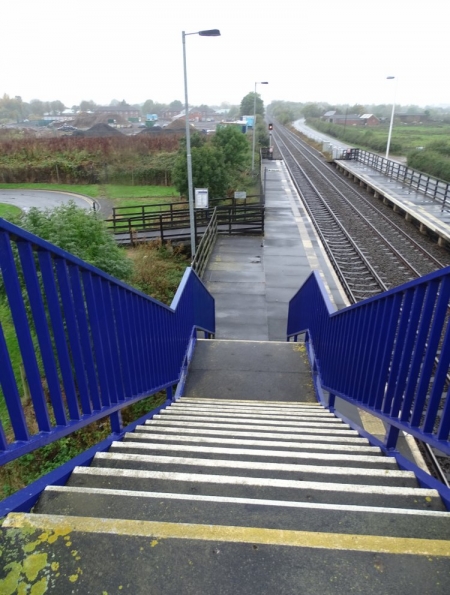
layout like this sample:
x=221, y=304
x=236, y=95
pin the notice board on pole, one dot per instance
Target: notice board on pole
x=201, y=198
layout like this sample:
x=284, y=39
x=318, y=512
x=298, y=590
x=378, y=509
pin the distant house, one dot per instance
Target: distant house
x=411, y=118
x=198, y=115
x=351, y=119
x=169, y=114
x=126, y=111
x=328, y=115
x=369, y=120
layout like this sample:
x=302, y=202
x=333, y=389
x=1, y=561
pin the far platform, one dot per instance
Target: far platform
x=430, y=215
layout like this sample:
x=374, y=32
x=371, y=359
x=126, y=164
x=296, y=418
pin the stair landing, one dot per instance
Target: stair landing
x=262, y=370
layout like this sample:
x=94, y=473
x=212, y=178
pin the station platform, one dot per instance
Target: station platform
x=252, y=278
x=429, y=215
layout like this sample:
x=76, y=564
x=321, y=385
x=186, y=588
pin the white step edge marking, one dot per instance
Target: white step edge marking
x=255, y=501
x=327, y=419
x=334, y=424
x=203, y=439
x=259, y=482
x=289, y=467
x=261, y=428
x=266, y=410
x=250, y=402
x=254, y=418
x=279, y=435
x=257, y=453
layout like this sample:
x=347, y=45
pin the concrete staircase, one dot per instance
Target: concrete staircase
x=222, y=495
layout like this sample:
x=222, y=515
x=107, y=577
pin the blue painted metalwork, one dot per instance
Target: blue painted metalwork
x=389, y=354
x=90, y=344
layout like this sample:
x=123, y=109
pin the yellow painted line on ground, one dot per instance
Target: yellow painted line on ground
x=230, y=534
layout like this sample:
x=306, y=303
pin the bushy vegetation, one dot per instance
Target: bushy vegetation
x=219, y=163
x=433, y=160
x=140, y=159
x=80, y=232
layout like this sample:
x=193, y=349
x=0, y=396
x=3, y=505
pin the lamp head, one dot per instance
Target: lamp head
x=210, y=33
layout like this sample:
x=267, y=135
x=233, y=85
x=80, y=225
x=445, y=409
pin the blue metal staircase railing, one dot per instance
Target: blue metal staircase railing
x=90, y=344
x=389, y=354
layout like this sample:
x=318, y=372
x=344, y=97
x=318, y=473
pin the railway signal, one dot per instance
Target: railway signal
x=270, y=126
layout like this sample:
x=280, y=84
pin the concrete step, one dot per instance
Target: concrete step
x=219, y=510
x=305, y=428
x=276, y=434
x=256, y=487
x=280, y=470
x=313, y=421
x=146, y=435
x=248, y=454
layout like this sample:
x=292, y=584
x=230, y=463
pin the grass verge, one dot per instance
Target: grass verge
x=8, y=210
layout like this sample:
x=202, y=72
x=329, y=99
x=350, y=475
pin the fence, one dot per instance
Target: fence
x=206, y=246
x=89, y=344
x=174, y=225
x=432, y=187
x=389, y=354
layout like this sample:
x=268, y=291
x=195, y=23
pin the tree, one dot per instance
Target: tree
x=87, y=106
x=57, y=107
x=248, y=104
x=82, y=233
x=234, y=146
x=176, y=105
x=208, y=171
x=313, y=110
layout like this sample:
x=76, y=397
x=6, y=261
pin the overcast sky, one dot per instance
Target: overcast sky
x=308, y=50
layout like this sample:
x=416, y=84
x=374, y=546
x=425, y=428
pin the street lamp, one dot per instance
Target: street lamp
x=207, y=33
x=389, y=78
x=254, y=123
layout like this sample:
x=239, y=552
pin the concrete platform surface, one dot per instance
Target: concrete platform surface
x=250, y=370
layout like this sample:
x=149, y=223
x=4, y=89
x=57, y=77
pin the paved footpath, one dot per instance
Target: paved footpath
x=252, y=278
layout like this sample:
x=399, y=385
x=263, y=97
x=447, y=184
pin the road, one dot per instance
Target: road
x=42, y=199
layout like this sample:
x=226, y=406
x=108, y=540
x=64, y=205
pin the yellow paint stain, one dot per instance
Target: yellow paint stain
x=40, y=587
x=32, y=565
x=54, y=566
x=8, y=585
x=153, y=543
x=68, y=543
x=231, y=534
x=428, y=499
x=22, y=589
x=30, y=547
x=74, y=553
x=73, y=578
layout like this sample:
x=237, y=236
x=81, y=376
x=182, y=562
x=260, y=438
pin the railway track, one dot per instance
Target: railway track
x=369, y=250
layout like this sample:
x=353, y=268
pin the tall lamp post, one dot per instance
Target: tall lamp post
x=207, y=33
x=392, y=120
x=254, y=124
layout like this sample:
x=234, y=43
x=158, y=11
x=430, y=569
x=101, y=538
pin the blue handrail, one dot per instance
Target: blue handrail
x=90, y=344
x=389, y=354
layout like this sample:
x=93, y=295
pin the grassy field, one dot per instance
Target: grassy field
x=112, y=191
x=8, y=210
